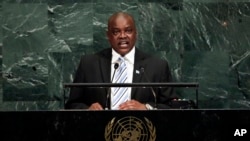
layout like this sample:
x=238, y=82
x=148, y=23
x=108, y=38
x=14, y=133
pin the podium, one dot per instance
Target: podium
x=177, y=103
x=155, y=125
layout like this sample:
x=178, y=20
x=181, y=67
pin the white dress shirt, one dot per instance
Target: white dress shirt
x=129, y=60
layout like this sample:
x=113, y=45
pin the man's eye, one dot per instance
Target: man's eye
x=115, y=32
x=129, y=30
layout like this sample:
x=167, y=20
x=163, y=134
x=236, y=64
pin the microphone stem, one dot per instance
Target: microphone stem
x=152, y=90
x=109, y=90
x=155, y=105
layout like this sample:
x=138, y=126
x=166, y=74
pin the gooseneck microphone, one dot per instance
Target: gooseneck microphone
x=151, y=88
x=116, y=65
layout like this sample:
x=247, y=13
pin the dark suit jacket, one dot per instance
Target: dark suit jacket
x=96, y=68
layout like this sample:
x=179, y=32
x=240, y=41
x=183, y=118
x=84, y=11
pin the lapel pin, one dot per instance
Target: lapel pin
x=137, y=71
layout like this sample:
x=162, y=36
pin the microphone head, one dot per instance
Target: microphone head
x=142, y=69
x=116, y=65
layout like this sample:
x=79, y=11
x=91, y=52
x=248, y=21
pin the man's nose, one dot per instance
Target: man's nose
x=123, y=34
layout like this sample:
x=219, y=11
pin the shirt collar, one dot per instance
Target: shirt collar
x=128, y=57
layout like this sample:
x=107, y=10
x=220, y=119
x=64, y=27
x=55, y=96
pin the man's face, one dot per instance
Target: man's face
x=122, y=34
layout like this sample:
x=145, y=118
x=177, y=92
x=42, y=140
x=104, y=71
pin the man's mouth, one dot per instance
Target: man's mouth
x=123, y=43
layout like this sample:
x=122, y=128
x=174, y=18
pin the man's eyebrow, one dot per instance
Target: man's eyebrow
x=114, y=28
x=130, y=27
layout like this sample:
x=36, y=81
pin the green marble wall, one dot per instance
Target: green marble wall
x=205, y=41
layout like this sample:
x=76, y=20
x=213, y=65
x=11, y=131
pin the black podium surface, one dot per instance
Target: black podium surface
x=159, y=125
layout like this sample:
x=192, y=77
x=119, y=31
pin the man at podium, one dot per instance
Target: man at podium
x=122, y=63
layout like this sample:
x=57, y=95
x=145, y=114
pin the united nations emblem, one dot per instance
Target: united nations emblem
x=130, y=129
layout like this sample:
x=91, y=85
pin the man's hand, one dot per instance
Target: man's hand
x=132, y=105
x=95, y=106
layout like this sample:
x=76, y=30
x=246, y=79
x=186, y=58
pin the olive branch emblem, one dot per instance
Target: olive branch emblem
x=150, y=126
x=152, y=130
x=108, y=130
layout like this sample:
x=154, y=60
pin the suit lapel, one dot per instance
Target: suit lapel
x=138, y=63
x=105, y=63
